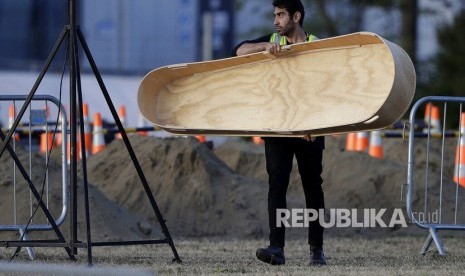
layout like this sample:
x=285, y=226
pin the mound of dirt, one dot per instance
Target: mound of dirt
x=196, y=192
x=223, y=192
x=351, y=179
x=354, y=180
x=108, y=220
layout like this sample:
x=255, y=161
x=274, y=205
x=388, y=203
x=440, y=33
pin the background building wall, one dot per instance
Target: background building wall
x=137, y=36
x=28, y=31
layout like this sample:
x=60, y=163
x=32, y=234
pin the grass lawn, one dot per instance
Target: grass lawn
x=345, y=256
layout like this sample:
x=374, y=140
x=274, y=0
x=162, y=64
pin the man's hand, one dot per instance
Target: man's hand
x=307, y=138
x=273, y=48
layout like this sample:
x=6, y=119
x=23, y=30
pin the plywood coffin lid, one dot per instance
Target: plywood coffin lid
x=341, y=84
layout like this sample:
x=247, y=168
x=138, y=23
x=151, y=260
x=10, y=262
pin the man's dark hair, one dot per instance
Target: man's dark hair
x=292, y=6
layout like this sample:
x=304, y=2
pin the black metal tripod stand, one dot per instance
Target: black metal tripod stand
x=74, y=35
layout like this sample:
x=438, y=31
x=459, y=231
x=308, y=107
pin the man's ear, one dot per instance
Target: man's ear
x=296, y=17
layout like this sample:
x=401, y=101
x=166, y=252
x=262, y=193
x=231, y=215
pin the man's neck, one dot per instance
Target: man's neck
x=297, y=36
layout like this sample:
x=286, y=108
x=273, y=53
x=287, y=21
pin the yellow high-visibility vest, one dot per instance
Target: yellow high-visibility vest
x=275, y=37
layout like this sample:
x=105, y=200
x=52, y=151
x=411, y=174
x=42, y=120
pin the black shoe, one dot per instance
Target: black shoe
x=272, y=255
x=317, y=257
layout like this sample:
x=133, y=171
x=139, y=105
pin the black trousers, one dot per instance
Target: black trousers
x=279, y=154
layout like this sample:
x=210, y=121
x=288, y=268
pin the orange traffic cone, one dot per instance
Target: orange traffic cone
x=459, y=170
x=351, y=141
x=257, y=140
x=122, y=118
x=87, y=132
x=432, y=118
x=428, y=108
x=201, y=138
x=376, y=147
x=11, y=120
x=362, y=141
x=142, y=123
x=435, y=120
x=98, y=139
x=46, y=138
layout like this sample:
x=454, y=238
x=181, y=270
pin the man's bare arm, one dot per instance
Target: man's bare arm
x=249, y=48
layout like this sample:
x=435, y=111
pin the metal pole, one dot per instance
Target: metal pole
x=84, y=161
x=73, y=124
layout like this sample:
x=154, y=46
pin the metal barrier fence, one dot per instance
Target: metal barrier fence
x=34, y=124
x=437, y=161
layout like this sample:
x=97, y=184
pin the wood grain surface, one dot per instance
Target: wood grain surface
x=334, y=85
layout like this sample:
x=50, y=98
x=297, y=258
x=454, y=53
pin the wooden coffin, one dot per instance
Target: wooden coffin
x=348, y=83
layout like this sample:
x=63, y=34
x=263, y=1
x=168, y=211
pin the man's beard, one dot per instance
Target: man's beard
x=286, y=30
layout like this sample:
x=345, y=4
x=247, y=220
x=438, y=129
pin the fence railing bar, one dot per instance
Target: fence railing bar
x=459, y=163
x=442, y=161
x=428, y=140
x=15, y=218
